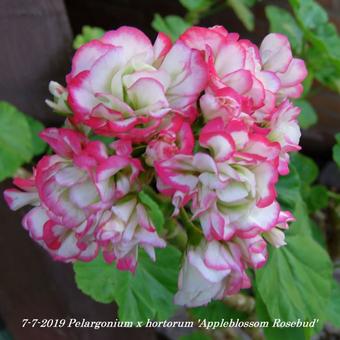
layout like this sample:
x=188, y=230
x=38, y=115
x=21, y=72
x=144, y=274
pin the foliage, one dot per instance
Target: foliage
x=18, y=139
x=87, y=34
x=297, y=273
x=274, y=333
x=281, y=21
x=312, y=36
x=172, y=25
x=336, y=150
x=241, y=9
x=307, y=117
x=105, y=283
x=153, y=210
x=196, y=335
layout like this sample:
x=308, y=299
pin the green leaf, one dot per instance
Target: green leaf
x=308, y=116
x=337, y=138
x=15, y=140
x=196, y=5
x=323, y=52
x=326, y=69
x=309, y=12
x=215, y=311
x=172, y=25
x=288, y=187
x=104, y=139
x=196, y=335
x=302, y=223
x=243, y=13
x=308, y=82
x=333, y=309
x=146, y=294
x=153, y=209
x=39, y=146
x=317, y=198
x=336, y=154
x=336, y=150
x=274, y=333
x=317, y=233
x=296, y=281
x=88, y=33
x=281, y=21
x=306, y=168
x=250, y=3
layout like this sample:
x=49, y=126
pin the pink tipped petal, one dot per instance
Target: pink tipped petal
x=161, y=47
x=275, y=52
x=187, y=70
x=200, y=37
x=240, y=80
x=214, y=257
x=222, y=145
x=64, y=142
x=259, y=219
x=17, y=199
x=291, y=92
x=132, y=40
x=266, y=178
x=34, y=222
x=270, y=80
x=230, y=58
x=87, y=55
x=81, y=97
x=105, y=68
x=295, y=73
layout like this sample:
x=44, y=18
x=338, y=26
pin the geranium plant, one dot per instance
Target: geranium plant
x=162, y=185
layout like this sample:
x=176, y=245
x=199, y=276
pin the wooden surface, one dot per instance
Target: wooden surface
x=35, y=45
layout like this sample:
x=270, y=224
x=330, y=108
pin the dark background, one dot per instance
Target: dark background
x=36, y=46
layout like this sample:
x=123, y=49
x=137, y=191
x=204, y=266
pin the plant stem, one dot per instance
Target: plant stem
x=176, y=235
x=241, y=302
x=194, y=233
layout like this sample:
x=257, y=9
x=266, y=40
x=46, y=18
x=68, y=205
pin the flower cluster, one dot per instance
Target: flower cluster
x=207, y=121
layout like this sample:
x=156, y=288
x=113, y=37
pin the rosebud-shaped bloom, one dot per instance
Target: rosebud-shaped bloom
x=122, y=229
x=211, y=271
x=276, y=57
x=232, y=192
x=253, y=250
x=276, y=236
x=60, y=94
x=123, y=86
x=285, y=129
x=226, y=57
x=225, y=103
x=70, y=191
x=63, y=243
x=262, y=77
x=177, y=138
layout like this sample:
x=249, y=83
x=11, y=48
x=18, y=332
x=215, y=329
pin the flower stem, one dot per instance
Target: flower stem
x=176, y=235
x=241, y=302
x=194, y=233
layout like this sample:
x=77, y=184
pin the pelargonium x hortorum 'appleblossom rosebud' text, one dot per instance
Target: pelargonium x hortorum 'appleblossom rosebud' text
x=206, y=122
